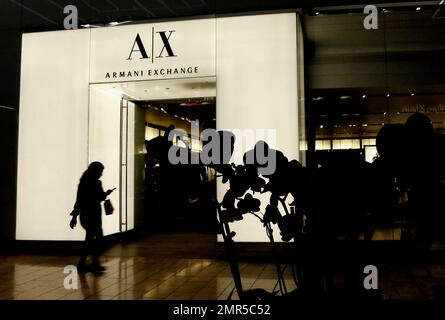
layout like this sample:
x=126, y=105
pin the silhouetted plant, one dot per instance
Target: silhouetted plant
x=318, y=214
x=237, y=202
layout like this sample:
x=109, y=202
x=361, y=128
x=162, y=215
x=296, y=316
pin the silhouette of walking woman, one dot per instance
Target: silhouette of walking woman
x=90, y=194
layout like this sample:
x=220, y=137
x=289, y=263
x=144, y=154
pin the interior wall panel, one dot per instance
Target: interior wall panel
x=53, y=132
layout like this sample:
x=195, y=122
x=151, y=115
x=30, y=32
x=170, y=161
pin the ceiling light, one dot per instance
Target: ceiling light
x=114, y=23
x=91, y=25
x=364, y=125
x=384, y=113
x=345, y=97
x=388, y=95
x=321, y=126
x=192, y=103
x=317, y=98
x=441, y=2
x=383, y=123
x=418, y=8
x=364, y=96
x=317, y=13
x=412, y=94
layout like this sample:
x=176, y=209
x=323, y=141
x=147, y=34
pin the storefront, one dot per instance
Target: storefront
x=80, y=88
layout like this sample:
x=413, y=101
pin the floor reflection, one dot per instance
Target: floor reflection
x=156, y=276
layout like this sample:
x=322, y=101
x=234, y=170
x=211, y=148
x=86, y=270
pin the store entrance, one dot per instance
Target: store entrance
x=129, y=132
x=178, y=197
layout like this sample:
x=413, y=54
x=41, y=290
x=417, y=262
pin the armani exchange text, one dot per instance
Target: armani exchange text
x=151, y=72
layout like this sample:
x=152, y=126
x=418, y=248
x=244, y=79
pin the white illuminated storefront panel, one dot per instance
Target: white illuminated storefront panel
x=65, y=123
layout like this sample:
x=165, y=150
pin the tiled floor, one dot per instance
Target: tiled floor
x=146, y=270
x=24, y=277
x=157, y=267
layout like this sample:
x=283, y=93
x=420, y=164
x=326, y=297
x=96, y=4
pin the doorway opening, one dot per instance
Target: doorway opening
x=128, y=132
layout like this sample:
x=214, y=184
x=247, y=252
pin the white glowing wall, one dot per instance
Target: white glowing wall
x=53, y=133
x=257, y=89
x=104, y=146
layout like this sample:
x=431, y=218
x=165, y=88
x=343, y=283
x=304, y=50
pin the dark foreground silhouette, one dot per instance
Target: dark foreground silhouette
x=343, y=200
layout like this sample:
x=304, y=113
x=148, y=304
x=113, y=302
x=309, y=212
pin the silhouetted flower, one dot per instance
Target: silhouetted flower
x=258, y=184
x=288, y=226
x=226, y=170
x=231, y=215
x=249, y=204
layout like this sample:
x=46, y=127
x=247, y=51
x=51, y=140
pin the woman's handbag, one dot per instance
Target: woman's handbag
x=109, y=209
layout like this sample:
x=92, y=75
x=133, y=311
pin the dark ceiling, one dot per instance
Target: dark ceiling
x=33, y=15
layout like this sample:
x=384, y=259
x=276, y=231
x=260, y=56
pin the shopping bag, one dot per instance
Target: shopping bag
x=109, y=209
